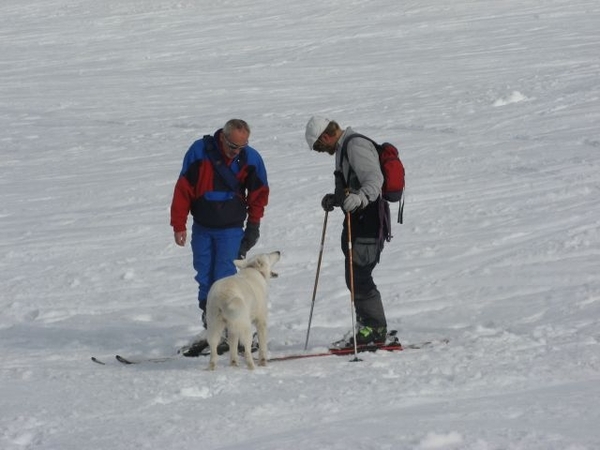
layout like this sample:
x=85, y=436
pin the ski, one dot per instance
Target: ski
x=131, y=361
x=394, y=347
x=339, y=352
x=161, y=359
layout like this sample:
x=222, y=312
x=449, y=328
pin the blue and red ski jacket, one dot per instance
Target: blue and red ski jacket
x=202, y=191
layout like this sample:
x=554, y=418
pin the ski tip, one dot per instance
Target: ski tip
x=97, y=361
x=123, y=360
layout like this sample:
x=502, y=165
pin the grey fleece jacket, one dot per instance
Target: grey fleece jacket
x=361, y=167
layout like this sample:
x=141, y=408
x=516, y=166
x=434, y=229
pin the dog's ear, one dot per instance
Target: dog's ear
x=240, y=263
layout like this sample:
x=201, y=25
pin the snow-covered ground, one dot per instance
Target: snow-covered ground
x=495, y=106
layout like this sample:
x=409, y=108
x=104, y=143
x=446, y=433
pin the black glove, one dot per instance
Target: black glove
x=329, y=202
x=251, y=235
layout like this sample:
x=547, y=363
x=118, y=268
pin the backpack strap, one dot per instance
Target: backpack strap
x=352, y=136
x=344, y=151
x=218, y=163
x=401, y=210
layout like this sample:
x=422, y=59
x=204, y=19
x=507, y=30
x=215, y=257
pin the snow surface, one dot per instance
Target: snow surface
x=495, y=106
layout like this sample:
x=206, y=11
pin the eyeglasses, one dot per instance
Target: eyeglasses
x=233, y=146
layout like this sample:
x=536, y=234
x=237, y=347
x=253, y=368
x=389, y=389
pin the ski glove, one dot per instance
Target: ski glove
x=251, y=235
x=329, y=202
x=355, y=201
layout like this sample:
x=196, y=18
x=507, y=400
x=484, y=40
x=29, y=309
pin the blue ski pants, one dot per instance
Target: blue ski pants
x=213, y=251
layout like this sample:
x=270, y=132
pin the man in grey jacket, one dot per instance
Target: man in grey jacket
x=358, y=184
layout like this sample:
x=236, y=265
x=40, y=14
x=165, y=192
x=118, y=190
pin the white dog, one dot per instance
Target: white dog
x=235, y=303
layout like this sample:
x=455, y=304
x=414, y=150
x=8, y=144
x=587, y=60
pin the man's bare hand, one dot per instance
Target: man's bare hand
x=180, y=238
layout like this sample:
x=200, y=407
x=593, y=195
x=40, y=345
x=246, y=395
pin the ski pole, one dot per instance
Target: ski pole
x=312, y=306
x=351, y=268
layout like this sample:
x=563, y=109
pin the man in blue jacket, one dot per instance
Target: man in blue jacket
x=223, y=184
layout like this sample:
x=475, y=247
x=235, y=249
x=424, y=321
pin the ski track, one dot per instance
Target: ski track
x=494, y=107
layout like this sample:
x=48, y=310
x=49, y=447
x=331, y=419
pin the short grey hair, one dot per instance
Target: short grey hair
x=235, y=124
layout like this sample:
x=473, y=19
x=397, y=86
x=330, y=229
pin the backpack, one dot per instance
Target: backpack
x=392, y=169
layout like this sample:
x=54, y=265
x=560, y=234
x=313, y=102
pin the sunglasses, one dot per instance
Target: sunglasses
x=233, y=146
x=319, y=145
